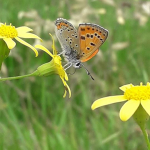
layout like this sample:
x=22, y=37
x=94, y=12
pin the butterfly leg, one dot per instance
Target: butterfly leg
x=61, y=53
x=68, y=65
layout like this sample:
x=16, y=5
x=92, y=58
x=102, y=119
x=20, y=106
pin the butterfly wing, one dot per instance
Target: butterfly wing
x=91, y=37
x=91, y=56
x=67, y=36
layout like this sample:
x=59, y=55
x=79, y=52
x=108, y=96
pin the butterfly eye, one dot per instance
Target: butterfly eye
x=77, y=65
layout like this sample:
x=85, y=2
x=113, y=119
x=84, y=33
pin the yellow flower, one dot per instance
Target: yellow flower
x=54, y=67
x=137, y=97
x=9, y=32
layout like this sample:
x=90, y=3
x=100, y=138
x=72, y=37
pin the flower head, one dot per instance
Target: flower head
x=9, y=32
x=137, y=97
x=54, y=67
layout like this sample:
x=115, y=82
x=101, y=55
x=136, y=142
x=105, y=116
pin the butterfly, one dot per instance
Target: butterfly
x=79, y=45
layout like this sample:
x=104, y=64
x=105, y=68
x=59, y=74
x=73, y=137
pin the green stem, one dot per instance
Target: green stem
x=19, y=77
x=145, y=136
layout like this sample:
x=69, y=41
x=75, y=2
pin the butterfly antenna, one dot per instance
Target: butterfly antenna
x=88, y=73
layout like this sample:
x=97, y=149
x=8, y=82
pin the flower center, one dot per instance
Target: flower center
x=141, y=92
x=8, y=31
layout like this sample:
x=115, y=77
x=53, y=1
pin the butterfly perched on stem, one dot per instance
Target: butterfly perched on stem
x=79, y=45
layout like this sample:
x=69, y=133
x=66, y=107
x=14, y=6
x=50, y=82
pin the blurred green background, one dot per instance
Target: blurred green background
x=33, y=113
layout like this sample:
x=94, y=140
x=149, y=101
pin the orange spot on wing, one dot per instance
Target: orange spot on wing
x=61, y=24
x=91, y=56
x=58, y=26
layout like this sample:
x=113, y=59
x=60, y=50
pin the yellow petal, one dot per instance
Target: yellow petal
x=128, y=109
x=108, y=100
x=10, y=43
x=28, y=35
x=65, y=94
x=53, y=46
x=27, y=44
x=66, y=88
x=69, y=91
x=66, y=76
x=23, y=29
x=146, y=105
x=44, y=49
x=124, y=87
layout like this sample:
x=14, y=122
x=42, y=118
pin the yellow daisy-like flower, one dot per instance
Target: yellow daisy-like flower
x=9, y=32
x=54, y=67
x=136, y=97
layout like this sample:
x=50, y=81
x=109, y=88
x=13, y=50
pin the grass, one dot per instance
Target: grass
x=33, y=113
